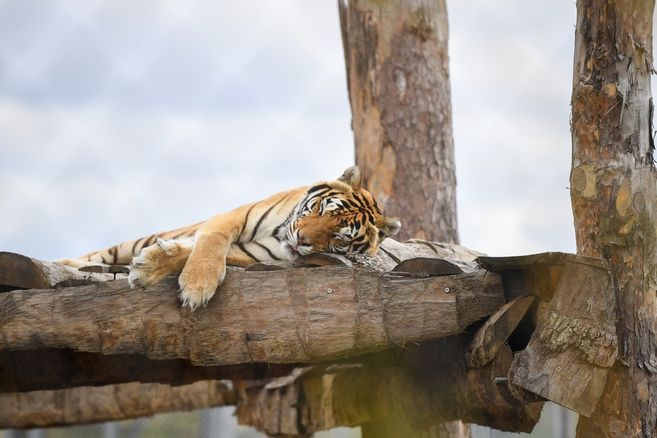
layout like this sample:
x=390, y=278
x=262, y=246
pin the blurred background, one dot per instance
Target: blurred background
x=121, y=118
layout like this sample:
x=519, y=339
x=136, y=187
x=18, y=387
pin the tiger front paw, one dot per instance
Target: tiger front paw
x=198, y=282
x=157, y=261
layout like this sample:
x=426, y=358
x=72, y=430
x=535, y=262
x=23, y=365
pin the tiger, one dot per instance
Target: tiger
x=338, y=216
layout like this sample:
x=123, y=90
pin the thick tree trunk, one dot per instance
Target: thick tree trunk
x=398, y=77
x=614, y=197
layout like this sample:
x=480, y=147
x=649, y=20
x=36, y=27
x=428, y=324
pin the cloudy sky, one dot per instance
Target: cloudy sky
x=121, y=118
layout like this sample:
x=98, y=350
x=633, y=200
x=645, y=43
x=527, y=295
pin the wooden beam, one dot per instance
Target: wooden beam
x=108, y=403
x=435, y=392
x=288, y=316
x=53, y=368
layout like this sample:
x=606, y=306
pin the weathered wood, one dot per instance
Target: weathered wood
x=351, y=396
x=291, y=316
x=398, y=78
x=427, y=266
x=568, y=357
x=533, y=274
x=495, y=331
x=20, y=272
x=108, y=403
x=614, y=197
x=52, y=368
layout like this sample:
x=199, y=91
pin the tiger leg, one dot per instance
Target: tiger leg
x=205, y=269
x=155, y=262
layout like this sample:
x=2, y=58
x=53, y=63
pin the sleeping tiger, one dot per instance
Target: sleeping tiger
x=334, y=216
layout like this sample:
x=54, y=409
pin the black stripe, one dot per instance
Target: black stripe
x=391, y=255
x=317, y=188
x=134, y=245
x=271, y=254
x=179, y=235
x=262, y=218
x=240, y=245
x=149, y=241
x=350, y=204
x=359, y=239
x=246, y=221
x=358, y=247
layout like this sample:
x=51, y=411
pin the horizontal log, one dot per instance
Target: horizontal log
x=52, y=369
x=286, y=316
x=307, y=401
x=534, y=274
x=108, y=403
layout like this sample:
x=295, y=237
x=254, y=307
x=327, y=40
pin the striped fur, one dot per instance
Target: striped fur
x=335, y=216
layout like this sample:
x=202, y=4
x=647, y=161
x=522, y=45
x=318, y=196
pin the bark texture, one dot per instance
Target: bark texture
x=614, y=197
x=398, y=78
x=571, y=350
x=108, y=403
x=292, y=316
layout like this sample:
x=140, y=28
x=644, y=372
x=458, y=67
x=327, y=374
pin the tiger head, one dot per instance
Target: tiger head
x=339, y=217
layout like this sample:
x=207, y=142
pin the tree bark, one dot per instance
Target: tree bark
x=614, y=197
x=108, y=403
x=398, y=78
x=396, y=56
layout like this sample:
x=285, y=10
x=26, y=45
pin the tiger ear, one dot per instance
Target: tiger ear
x=390, y=226
x=352, y=177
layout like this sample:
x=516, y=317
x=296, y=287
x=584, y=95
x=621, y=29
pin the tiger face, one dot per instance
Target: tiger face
x=339, y=217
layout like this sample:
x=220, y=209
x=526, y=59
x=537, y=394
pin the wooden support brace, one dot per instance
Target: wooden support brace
x=568, y=357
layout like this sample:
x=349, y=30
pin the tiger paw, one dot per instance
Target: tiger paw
x=157, y=261
x=198, y=282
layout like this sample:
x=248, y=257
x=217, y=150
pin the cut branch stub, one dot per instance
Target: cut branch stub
x=495, y=331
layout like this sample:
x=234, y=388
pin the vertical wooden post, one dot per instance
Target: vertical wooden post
x=398, y=77
x=614, y=197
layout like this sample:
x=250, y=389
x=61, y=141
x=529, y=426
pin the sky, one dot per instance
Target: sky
x=122, y=118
